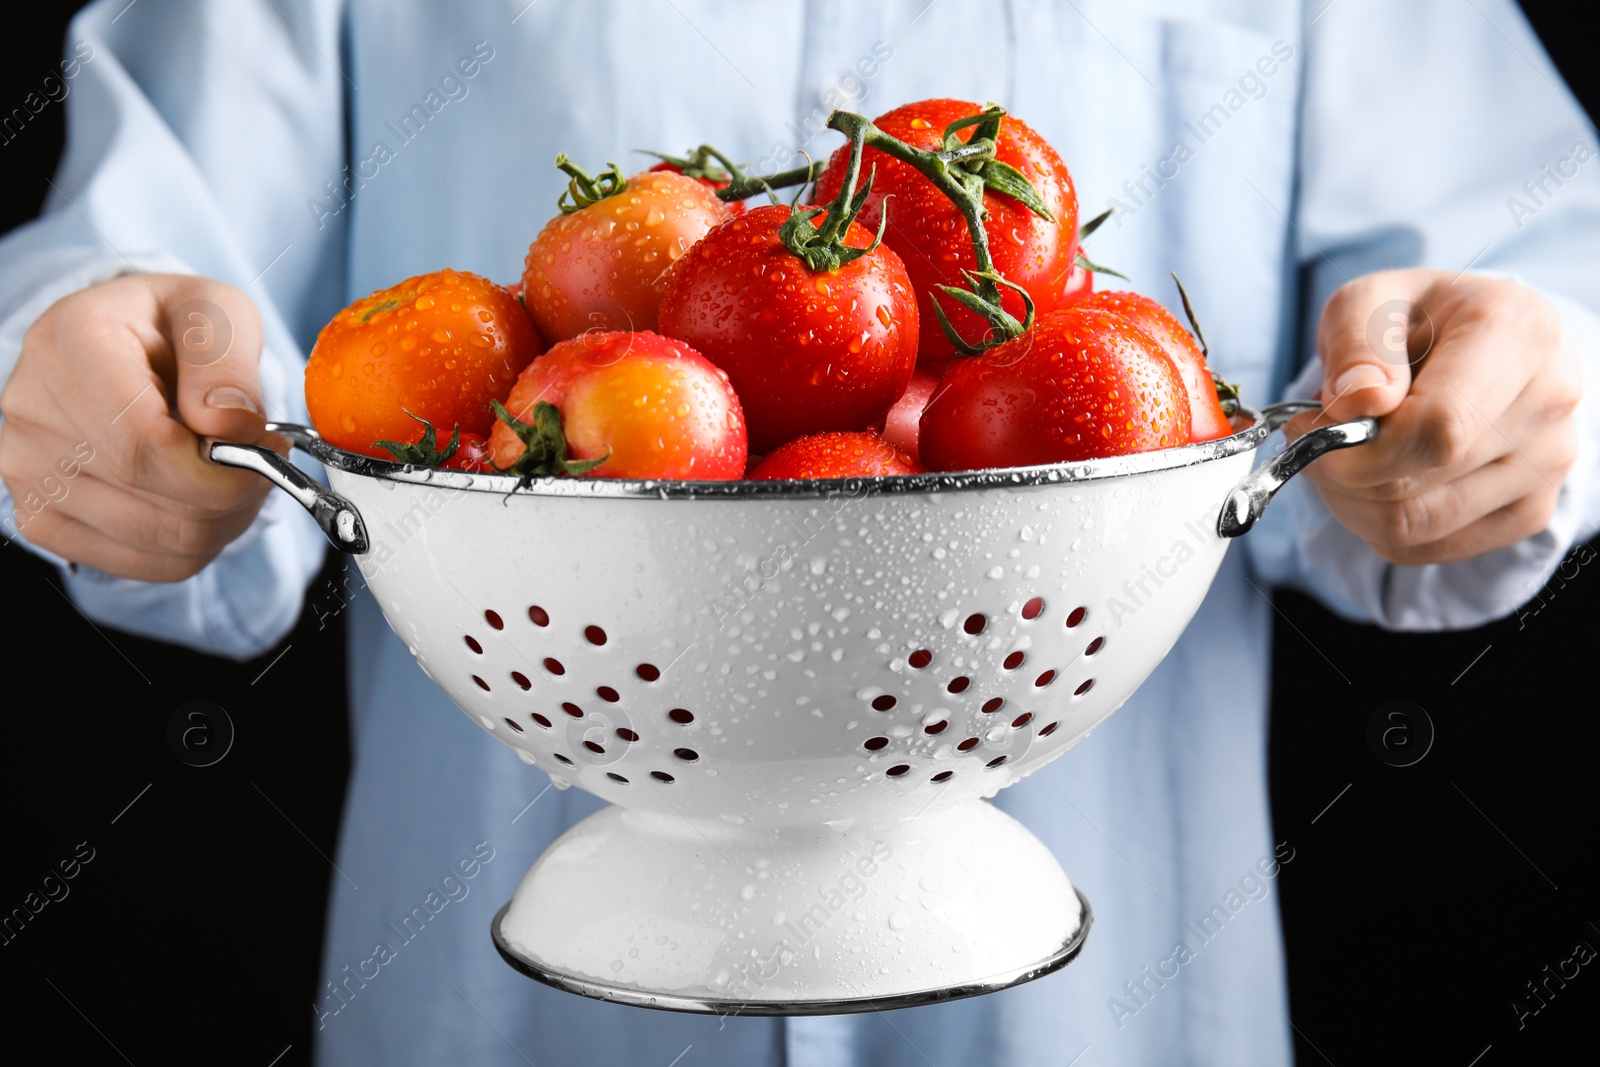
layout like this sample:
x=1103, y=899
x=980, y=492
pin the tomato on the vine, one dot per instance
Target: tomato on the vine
x=930, y=234
x=620, y=404
x=860, y=454
x=437, y=348
x=1208, y=421
x=1083, y=383
x=807, y=350
x=602, y=263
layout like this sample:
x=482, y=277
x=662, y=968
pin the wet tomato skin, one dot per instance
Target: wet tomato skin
x=860, y=454
x=605, y=266
x=660, y=408
x=807, y=351
x=903, y=426
x=1079, y=286
x=1083, y=383
x=930, y=235
x=1207, y=419
x=439, y=345
x=472, y=454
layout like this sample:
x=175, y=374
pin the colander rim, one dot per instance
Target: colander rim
x=1246, y=439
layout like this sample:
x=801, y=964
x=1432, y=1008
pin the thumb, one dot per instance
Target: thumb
x=1371, y=335
x=215, y=332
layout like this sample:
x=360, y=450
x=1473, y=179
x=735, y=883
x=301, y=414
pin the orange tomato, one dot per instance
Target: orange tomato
x=440, y=346
x=605, y=266
x=650, y=406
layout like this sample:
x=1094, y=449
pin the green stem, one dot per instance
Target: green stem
x=1227, y=392
x=936, y=167
x=957, y=171
x=582, y=190
x=697, y=164
x=744, y=186
x=961, y=170
x=824, y=248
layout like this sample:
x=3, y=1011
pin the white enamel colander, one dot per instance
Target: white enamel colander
x=796, y=696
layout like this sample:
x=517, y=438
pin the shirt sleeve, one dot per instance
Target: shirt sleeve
x=194, y=143
x=1411, y=155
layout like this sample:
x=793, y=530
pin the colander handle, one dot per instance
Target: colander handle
x=1255, y=491
x=338, y=518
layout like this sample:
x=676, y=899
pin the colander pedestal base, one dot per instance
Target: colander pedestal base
x=662, y=912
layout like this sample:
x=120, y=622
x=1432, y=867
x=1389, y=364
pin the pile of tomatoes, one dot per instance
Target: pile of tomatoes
x=661, y=330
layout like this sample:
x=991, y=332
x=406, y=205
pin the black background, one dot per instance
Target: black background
x=1417, y=906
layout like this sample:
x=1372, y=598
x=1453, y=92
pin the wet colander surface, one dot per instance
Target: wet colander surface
x=786, y=690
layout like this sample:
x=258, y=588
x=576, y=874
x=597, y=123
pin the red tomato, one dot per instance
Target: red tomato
x=834, y=455
x=651, y=406
x=931, y=236
x=471, y=455
x=604, y=266
x=1162, y=327
x=1082, y=383
x=903, y=427
x=437, y=348
x=1079, y=287
x=807, y=352
x=735, y=207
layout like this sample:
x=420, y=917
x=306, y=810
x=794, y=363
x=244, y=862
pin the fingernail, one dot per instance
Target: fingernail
x=231, y=399
x=1357, y=378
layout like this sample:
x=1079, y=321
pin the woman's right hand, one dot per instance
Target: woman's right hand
x=105, y=420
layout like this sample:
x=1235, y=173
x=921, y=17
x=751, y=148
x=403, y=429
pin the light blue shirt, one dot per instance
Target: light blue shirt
x=311, y=151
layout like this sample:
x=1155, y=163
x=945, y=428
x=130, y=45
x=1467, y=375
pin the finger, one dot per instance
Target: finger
x=1440, y=433
x=1401, y=465
x=1479, y=345
x=107, y=353
x=128, y=517
x=214, y=333
x=35, y=460
x=1517, y=521
x=77, y=543
x=1439, y=512
x=1493, y=337
x=46, y=468
x=63, y=476
x=1365, y=339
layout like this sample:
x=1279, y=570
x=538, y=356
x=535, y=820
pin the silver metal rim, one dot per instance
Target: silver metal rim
x=1245, y=440
x=638, y=998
